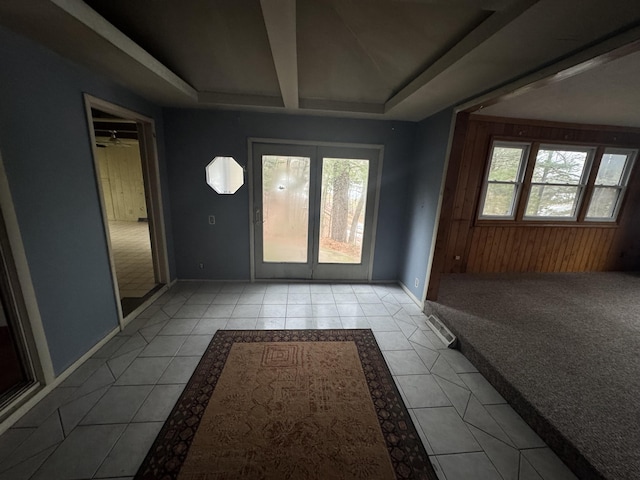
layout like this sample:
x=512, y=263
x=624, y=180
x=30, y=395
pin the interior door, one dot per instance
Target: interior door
x=313, y=211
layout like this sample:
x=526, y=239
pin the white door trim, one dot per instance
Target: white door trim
x=151, y=169
x=250, y=173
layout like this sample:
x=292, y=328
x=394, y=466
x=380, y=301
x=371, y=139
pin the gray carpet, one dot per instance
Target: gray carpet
x=564, y=349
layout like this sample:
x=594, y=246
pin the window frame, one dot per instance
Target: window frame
x=581, y=186
x=522, y=168
x=587, y=185
x=632, y=155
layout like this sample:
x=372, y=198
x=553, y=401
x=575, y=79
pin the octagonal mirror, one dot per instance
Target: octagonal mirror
x=224, y=175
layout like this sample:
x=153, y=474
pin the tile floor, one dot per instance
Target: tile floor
x=132, y=255
x=102, y=420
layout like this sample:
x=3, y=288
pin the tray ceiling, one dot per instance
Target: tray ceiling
x=396, y=59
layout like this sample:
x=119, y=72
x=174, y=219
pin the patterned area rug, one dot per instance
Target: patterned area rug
x=289, y=404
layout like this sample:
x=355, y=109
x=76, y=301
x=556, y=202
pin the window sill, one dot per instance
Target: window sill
x=544, y=223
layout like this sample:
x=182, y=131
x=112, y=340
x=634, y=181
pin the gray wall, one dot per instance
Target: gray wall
x=432, y=138
x=44, y=141
x=195, y=137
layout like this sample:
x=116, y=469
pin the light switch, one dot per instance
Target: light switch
x=212, y=219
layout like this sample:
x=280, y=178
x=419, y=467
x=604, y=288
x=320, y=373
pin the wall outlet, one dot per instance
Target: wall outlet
x=212, y=219
x=201, y=266
x=416, y=282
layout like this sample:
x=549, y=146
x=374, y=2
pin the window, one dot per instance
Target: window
x=504, y=179
x=531, y=182
x=559, y=177
x=610, y=183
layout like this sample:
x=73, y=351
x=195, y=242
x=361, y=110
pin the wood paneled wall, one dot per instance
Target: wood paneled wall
x=122, y=182
x=467, y=245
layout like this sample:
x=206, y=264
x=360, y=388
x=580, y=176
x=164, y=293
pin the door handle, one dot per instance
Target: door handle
x=258, y=216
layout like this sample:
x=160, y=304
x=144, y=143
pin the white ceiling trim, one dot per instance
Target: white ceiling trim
x=496, y=22
x=280, y=20
x=583, y=61
x=90, y=18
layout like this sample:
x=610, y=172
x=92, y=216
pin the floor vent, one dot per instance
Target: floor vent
x=443, y=333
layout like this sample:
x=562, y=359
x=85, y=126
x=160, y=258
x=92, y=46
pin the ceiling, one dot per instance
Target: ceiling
x=607, y=94
x=394, y=59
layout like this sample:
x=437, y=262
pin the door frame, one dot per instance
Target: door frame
x=25, y=304
x=309, y=143
x=153, y=192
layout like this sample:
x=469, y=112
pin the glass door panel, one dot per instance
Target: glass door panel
x=313, y=211
x=343, y=209
x=285, y=208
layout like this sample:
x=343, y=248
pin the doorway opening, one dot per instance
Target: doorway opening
x=314, y=210
x=127, y=175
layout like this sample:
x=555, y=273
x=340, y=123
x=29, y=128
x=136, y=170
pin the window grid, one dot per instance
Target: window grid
x=578, y=186
x=587, y=186
x=619, y=187
x=516, y=183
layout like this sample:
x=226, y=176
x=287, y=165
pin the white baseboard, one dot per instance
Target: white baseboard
x=44, y=390
x=420, y=303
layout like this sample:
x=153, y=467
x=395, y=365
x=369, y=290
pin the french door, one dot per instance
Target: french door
x=313, y=211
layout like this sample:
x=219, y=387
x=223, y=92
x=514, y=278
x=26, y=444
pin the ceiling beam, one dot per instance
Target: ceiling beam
x=280, y=20
x=496, y=22
x=492, y=5
x=590, y=58
x=340, y=106
x=238, y=99
x=93, y=20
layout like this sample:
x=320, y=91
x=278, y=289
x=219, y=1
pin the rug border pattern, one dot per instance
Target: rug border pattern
x=404, y=446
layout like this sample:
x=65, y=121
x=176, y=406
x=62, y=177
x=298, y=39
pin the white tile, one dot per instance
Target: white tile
x=383, y=324
x=191, y=311
x=226, y=299
x=270, y=324
x=241, y=324
x=179, y=370
x=300, y=323
x=329, y=323
x=374, y=309
x=322, y=298
x=159, y=403
x=365, y=298
x=144, y=371
x=479, y=417
x=355, y=322
x=548, y=465
x=209, y=326
x=130, y=449
x=465, y=466
x=246, y=311
x=392, y=341
x=422, y=391
x=251, y=299
x=81, y=453
x=519, y=432
x=299, y=311
x=349, y=310
x=118, y=405
x=163, y=346
x=324, y=310
x=405, y=362
x=194, y=346
x=299, y=299
x=275, y=298
x=273, y=311
x=179, y=326
x=481, y=388
x=505, y=458
x=446, y=431
x=345, y=298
